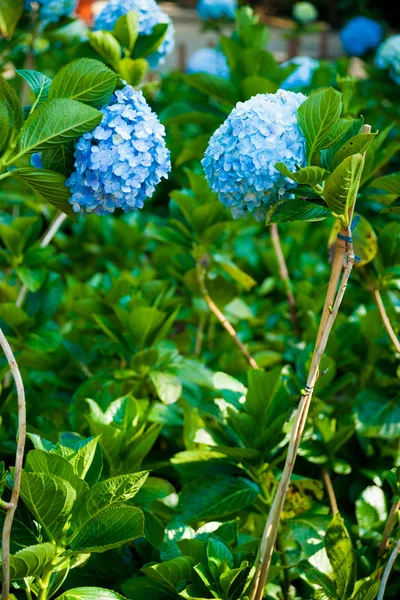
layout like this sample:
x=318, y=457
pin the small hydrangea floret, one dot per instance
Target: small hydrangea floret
x=302, y=76
x=150, y=15
x=208, y=60
x=120, y=162
x=304, y=12
x=51, y=11
x=240, y=159
x=388, y=57
x=360, y=35
x=217, y=9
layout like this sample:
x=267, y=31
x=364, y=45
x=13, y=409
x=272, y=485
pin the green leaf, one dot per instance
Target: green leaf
x=12, y=239
x=141, y=446
x=142, y=587
x=367, y=591
x=60, y=159
x=390, y=183
x=105, y=494
x=218, y=553
x=172, y=572
x=126, y=30
x=147, y=44
x=358, y=144
x=15, y=316
x=10, y=14
x=341, y=187
x=319, y=578
x=133, y=71
x=106, y=45
x=342, y=557
x=214, y=86
x=144, y=323
x=109, y=529
x=168, y=386
x=38, y=82
x=57, y=122
x=376, y=415
x=296, y=210
x=254, y=84
x=317, y=116
x=5, y=126
x=31, y=561
x=193, y=148
x=39, y=461
x=90, y=593
x=86, y=80
x=84, y=458
x=305, y=176
x=13, y=104
x=49, y=498
x=371, y=511
x=50, y=185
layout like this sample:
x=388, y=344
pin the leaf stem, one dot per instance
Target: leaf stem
x=390, y=523
x=382, y=312
x=326, y=478
x=44, y=585
x=387, y=570
x=12, y=505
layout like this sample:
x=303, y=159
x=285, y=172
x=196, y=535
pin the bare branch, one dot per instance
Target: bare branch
x=386, y=572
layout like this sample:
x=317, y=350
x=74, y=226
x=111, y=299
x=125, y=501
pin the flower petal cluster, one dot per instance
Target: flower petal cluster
x=217, y=9
x=360, y=35
x=302, y=76
x=150, y=15
x=51, y=11
x=208, y=60
x=304, y=12
x=388, y=57
x=240, y=159
x=120, y=162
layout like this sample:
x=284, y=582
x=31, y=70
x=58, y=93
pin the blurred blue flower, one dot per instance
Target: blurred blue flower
x=36, y=160
x=217, y=9
x=360, y=35
x=388, y=57
x=302, y=76
x=120, y=162
x=304, y=12
x=150, y=15
x=208, y=60
x=51, y=11
x=240, y=159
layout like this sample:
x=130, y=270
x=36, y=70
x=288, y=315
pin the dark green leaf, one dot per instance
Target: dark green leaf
x=214, y=86
x=296, y=210
x=342, y=557
x=317, y=116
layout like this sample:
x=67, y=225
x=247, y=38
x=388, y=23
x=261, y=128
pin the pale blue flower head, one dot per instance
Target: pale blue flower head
x=388, y=57
x=119, y=163
x=304, y=12
x=150, y=15
x=51, y=11
x=208, y=60
x=302, y=76
x=217, y=9
x=239, y=162
x=360, y=35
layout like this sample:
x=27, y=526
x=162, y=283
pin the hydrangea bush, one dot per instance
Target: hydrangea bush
x=361, y=35
x=304, y=12
x=388, y=57
x=240, y=159
x=208, y=60
x=51, y=11
x=217, y=9
x=302, y=76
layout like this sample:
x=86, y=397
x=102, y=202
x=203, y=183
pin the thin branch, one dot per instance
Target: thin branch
x=284, y=274
x=385, y=319
x=12, y=505
x=201, y=272
x=47, y=238
x=390, y=523
x=200, y=334
x=326, y=478
x=387, y=571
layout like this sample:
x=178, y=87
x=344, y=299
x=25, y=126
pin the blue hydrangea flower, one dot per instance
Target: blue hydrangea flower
x=360, y=35
x=304, y=12
x=120, y=162
x=36, y=160
x=302, y=76
x=150, y=15
x=217, y=9
x=239, y=162
x=51, y=11
x=208, y=60
x=388, y=57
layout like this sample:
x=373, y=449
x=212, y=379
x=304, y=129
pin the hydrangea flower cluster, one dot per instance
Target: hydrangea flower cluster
x=120, y=162
x=208, y=60
x=360, y=35
x=388, y=57
x=217, y=9
x=150, y=15
x=240, y=159
x=302, y=76
x=304, y=12
x=51, y=11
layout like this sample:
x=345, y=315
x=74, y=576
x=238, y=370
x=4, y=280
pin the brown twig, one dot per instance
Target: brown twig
x=284, y=274
x=385, y=319
x=201, y=273
x=326, y=478
x=12, y=505
x=390, y=523
x=387, y=571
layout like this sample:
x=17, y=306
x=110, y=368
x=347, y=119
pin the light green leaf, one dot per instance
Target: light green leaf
x=355, y=145
x=341, y=187
x=86, y=80
x=141, y=445
x=90, y=593
x=5, y=126
x=144, y=323
x=109, y=529
x=296, y=209
x=105, y=494
x=107, y=46
x=218, y=553
x=390, y=183
x=83, y=458
x=39, y=461
x=319, y=578
x=254, y=84
x=371, y=511
x=214, y=86
x=38, y=82
x=133, y=71
x=317, y=116
x=126, y=30
x=31, y=561
x=306, y=176
x=367, y=591
x=10, y=14
x=168, y=386
x=172, y=572
x=340, y=551
x=57, y=122
x=13, y=104
x=49, y=498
